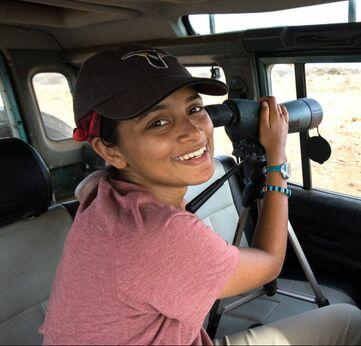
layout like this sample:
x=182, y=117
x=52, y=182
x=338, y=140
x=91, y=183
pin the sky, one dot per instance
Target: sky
x=336, y=12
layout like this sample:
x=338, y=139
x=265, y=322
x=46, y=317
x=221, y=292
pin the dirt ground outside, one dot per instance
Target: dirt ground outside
x=338, y=90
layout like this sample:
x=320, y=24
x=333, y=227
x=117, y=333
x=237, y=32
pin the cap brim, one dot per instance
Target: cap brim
x=137, y=100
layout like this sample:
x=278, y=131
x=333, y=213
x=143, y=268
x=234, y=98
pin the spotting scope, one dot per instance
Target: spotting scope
x=240, y=117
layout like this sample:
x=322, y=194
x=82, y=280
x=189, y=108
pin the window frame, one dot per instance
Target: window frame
x=264, y=66
x=10, y=103
x=68, y=78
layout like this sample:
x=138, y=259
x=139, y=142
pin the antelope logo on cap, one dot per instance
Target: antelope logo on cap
x=153, y=57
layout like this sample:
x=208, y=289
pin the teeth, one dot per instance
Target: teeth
x=197, y=153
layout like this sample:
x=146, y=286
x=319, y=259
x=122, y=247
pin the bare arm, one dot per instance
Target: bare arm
x=263, y=261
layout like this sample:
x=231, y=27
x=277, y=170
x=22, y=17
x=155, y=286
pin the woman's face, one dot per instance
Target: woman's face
x=171, y=145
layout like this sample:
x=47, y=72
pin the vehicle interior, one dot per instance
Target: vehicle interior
x=289, y=49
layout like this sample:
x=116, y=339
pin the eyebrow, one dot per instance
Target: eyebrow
x=153, y=109
x=193, y=97
x=162, y=106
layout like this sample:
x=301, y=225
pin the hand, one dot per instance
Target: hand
x=273, y=130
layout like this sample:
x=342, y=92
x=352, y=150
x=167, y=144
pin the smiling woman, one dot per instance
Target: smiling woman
x=136, y=267
x=159, y=141
x=165, y=149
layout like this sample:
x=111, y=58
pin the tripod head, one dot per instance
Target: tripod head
x=253, y=158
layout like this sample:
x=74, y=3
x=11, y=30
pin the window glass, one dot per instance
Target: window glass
x=55, y=103
x=335, y=12
x=5, y=130
x=283, y=82
x=7, y=125
x=222, y=144
x=337, y=88
x=283, y=87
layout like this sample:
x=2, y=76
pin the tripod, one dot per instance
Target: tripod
x=253, y=166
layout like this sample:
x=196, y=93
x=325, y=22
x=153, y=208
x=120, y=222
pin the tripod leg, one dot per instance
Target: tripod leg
x=270, y=288
x=243, y=215
x=321, y=300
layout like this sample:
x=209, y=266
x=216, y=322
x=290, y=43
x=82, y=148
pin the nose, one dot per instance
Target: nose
x=190, y=131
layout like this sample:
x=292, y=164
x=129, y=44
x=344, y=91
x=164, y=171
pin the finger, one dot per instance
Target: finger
x=265, y=98
x=285, y=113
x=273, y=110
x=264, y=114
x=280, y=110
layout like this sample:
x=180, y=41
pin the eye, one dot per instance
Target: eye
x=158, y=123
x=196, y=109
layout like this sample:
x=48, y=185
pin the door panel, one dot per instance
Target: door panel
x=328, y=227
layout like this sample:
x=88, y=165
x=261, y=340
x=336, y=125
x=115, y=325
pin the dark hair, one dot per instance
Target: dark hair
x=109, y=137
x=108, y=131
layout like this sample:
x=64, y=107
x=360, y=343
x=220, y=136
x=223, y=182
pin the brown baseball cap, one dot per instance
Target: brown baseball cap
x=125, y=82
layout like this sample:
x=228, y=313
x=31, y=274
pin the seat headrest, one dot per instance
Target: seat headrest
x=25, y=184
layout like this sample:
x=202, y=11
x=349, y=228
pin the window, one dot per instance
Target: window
x=55, y=104
x=335, y=12
x=283, y=82
x=337, y=88
x=8, y=126
x=5, y=129
x=11, y=124
x=222, y=144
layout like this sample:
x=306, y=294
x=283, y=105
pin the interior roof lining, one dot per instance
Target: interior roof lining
x=88, y=23
x=86, y=6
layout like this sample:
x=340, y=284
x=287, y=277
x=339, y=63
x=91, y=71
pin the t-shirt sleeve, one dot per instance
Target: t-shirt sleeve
x=183, y=268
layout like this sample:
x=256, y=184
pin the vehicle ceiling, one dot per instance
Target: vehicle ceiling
x=88, y=23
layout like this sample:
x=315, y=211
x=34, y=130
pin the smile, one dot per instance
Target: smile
x=193, y=155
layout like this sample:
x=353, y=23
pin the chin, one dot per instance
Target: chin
x=203, y=177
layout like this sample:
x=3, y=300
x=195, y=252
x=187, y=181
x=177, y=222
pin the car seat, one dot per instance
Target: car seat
x=32, y=235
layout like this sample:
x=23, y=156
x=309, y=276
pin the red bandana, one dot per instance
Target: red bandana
x=87, y=128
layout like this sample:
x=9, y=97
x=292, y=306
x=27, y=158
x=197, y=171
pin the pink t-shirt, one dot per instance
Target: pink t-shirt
x=136, y=271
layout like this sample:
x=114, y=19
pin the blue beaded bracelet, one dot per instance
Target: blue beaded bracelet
x=284, y=190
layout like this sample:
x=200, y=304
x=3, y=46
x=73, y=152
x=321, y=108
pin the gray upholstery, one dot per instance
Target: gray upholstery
x=268, y=309
x=29, y=252
x=220, y=213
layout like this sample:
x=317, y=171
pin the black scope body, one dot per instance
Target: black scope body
x=240, y=117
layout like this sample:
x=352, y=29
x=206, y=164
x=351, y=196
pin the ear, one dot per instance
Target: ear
x=112, y=155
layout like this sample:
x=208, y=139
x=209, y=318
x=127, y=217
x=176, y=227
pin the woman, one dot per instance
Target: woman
x=136, y=267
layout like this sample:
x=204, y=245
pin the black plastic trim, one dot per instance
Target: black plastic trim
x=311, y=37
x=71, y=207
x=188, y=26
x=301, y=91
